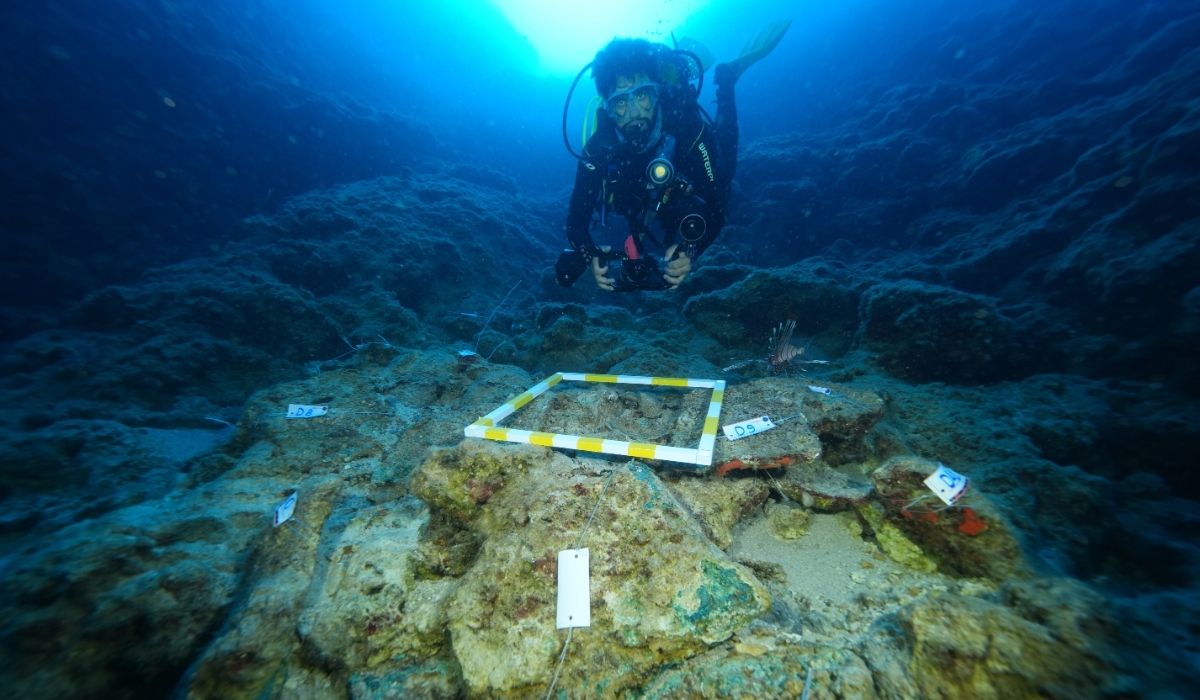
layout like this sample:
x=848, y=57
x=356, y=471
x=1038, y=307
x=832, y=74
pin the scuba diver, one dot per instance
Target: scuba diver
x=656, y=159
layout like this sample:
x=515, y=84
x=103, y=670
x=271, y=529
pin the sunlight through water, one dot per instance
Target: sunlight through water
x=566, y=35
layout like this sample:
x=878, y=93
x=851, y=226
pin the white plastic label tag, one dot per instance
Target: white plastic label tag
x=821, y=389
x=299, y=410
x=947, y=484
x=574, y=594
x=746, y=428
x=283, y=512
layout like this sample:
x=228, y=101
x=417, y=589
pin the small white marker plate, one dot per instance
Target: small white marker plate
x=283, y=512
x=299, y=410
x=947, y=484
x=820, y=389
x=746, y=428
x=574, y=594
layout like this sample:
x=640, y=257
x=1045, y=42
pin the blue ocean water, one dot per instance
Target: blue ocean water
x=986, y=213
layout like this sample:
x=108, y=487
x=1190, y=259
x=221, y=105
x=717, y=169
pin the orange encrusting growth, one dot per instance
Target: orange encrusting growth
x=971, y=524
x=735, y=464
x=925, y=515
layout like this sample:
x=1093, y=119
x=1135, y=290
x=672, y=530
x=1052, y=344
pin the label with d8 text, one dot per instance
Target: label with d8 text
x=299, y=410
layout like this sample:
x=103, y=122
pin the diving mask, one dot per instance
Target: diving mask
x=643, y=95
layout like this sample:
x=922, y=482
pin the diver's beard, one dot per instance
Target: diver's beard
x=637, y=126
x=639, y=133
x=636, y=137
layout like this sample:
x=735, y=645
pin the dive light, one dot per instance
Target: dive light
x=660, y=170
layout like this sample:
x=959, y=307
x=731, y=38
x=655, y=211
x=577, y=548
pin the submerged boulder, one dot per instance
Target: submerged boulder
x=822, y=488
x=818, y=294
x=928, y=333
x=660, y=590
x=120, y=605
x=720, y=504
x=971, y=538
x=1049, y=638
x=370, y=607
x=810, y=419
x=766, y=662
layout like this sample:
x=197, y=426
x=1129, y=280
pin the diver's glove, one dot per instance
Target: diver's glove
x=679, y=265
x=600, y=271
x=573, y=262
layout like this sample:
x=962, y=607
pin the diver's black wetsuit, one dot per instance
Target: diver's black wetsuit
x=705, y=158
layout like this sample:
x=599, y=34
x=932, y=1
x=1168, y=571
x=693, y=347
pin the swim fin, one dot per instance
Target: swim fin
x=759, y=47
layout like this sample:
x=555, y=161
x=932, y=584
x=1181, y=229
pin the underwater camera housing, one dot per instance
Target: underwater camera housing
x=631, y=274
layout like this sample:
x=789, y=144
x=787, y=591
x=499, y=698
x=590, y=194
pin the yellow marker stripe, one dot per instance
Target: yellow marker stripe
x=554, y=379
x=668, y=381
x=484, y=422
x=642, y=450
x=521, y=400
x=496, y=434
x=543, y=439
x=710, y=425
x=606, y=378
x=718, y=395
x=589, y=444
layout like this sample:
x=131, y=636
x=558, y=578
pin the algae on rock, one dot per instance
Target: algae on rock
x=370, y=608
x=788, y=522
x=894, y=542
x=972, y=538
x=661, y=591
x=719, y=504
x=1058, y=647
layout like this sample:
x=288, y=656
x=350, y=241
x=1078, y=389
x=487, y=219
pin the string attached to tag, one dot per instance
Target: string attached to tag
x=570, y=613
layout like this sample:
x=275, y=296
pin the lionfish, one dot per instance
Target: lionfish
x=782, y=352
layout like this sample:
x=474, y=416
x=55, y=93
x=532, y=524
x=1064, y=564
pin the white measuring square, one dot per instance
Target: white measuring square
x=487, y=426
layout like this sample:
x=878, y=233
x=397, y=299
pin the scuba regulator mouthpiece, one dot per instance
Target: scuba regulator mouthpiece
x=660, y=170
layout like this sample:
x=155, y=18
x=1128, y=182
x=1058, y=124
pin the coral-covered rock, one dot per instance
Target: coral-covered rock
x=924, y=332
x=145, y=587
x=819, y=296
x=1047, y=639
x=794, y=441
x=895, y=542
x=807, y=420
x=459, y=482
x=244, y=657
x=971, y=538
x=764, y=662
x=661, y=591
x=436, y=679
x=822, y=488
x=841, y=414
x=719, y=504
x=788, y=522
x=371, y=609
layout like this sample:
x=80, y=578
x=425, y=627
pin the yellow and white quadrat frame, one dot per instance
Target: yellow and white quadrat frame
x=701, y=455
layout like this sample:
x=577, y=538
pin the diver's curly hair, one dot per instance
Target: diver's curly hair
x=627, y=57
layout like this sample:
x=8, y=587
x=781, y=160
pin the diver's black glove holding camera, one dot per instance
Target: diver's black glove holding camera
x=629, y=274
